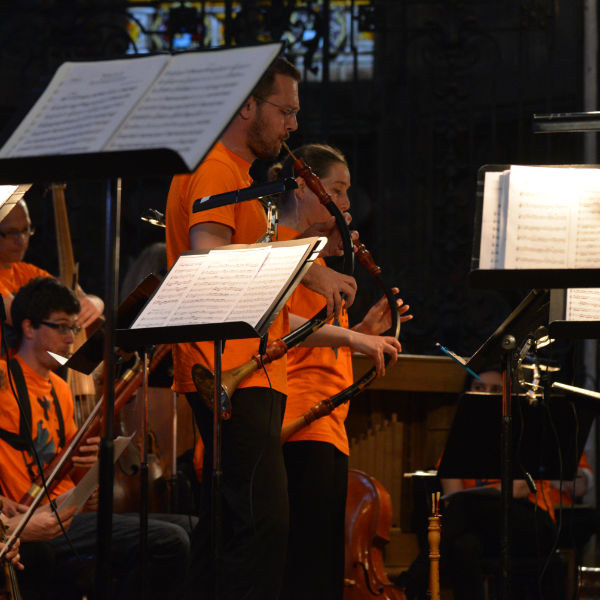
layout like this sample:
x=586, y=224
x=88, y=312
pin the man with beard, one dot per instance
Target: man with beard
x=254, y=492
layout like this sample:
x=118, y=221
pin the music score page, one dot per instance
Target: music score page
x=182, y=102
x=222, y=286
x=541, y=218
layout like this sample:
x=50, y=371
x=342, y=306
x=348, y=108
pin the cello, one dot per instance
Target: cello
x=368, y=522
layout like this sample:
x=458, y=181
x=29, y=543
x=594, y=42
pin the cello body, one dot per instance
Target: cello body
x=368, y=523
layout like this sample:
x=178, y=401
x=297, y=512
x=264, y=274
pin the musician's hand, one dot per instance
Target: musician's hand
x=13, y=555
x=92, y=308
x=329, y=229
x=378, y=319
x=11, y=508
x=331, y=285
x=88, y=454
x=92, y=503
x=376, y=347
x=44, y=525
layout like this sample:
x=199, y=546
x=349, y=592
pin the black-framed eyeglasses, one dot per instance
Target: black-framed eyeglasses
x=286, y=112
x=62, y=328
x=16, y=235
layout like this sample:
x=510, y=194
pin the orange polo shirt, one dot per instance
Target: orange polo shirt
x=315, y=374
x=221, y=171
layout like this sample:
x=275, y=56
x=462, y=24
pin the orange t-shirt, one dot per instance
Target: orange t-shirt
x=542, y=498
x=221, y=171
x=315, y=374
x=554, y=494
x=20, y=273
x=13, y=279
x=18, y=468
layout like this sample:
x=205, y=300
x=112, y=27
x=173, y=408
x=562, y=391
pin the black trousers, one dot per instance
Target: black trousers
x=471, y=536
x=317, y=485
x=255, y=517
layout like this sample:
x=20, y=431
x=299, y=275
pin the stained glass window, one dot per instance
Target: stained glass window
x=188, y=25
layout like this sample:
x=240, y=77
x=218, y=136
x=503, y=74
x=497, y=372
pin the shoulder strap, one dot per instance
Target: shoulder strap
x=22, y=440
x=59, y=417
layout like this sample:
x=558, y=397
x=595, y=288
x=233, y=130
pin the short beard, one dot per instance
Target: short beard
x=256, y=140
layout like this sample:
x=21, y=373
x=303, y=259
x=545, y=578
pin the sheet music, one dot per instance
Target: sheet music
x=267, y=284
x=202, y=288
x=84, y=103
x=6, y=191
x=493, y=221
x=583, y=304
x=538, y=218
x=80, y=494
x=182, y=102
x=191, y=100
x=585, y=224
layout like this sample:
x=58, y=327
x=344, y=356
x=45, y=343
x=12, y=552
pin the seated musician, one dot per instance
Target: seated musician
x=15, y=231
x=471, y=528
x=44, y=312
x=471, y=525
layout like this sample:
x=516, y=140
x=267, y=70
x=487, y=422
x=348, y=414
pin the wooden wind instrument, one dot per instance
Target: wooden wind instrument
x=12, y=591
x=433, y=537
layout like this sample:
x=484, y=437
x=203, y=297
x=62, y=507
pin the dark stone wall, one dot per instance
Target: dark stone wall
x=456, y=84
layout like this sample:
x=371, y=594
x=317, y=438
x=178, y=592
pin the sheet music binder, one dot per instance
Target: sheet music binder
x=555, y=280
x=130, y=338
x=521, y=278
x=157, y=154
x=473, y=446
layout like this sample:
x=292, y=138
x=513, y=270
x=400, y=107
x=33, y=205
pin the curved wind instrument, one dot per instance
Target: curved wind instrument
x=327, y=406
x=230, y=379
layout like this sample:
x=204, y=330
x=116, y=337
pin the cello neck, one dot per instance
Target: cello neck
x=66, y=260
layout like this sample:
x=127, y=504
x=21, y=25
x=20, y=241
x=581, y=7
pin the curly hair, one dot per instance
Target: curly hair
x=38, y=299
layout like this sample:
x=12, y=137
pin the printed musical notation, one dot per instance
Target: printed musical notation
x=224, y=285
x=541, y=218
x=181, y=102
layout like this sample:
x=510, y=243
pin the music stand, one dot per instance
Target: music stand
x=549, y=439
x=143, y=328
x=510, y=342
x=98, y=154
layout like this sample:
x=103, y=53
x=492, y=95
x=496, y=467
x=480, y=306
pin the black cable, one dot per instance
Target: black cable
x=559, y=523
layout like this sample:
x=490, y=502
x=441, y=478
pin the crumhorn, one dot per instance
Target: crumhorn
x=230, y=379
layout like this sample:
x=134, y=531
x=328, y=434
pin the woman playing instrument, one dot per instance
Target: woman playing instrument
x=316, y=457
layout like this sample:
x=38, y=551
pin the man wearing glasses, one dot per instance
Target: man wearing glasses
x=15, y=231
x=254, y=489
x=39, y=425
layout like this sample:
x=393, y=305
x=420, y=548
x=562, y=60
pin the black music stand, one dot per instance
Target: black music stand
x=517, y=344
x=94, y=161
x=509, y=344
x=548, y=436
x=548, y=440
x=88, y=356
x=129, y=337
